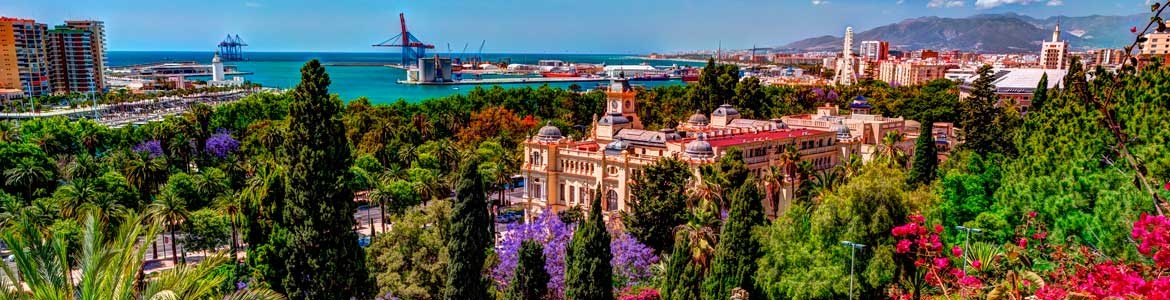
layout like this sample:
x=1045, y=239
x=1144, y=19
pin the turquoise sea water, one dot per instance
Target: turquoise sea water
x=379, y=84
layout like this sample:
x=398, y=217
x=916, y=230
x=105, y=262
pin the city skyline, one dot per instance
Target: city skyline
x=525, y=26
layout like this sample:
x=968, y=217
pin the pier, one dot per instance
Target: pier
x=509, y=80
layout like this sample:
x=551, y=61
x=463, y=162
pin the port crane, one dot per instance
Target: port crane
x=232, y=48
x=412, y=47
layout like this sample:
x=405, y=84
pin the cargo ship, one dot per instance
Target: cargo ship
x=559, y=74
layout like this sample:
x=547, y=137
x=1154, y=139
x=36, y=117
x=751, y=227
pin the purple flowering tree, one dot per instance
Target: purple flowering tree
x=153, y=147
x=631, y=259
x=221, y=144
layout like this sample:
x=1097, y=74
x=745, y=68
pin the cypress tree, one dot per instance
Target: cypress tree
x=1040, y=95
x=323, y=259
x=530, y=280
x=925, y=156
x=588, y=274
x=735, y=256
x=682, y=279
x=470, y=236
x=979, y=117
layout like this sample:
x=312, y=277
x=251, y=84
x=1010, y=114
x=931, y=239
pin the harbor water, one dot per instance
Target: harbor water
x=378, y=83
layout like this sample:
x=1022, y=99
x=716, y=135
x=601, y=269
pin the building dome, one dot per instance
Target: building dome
x=616, y=147
x=613, y=119
x=698, y=119
x=860, y=102
x=700, y=148
x=842, y=131
x=671, y=134
x=725, y=110
x=549, y=133
x=779, y=124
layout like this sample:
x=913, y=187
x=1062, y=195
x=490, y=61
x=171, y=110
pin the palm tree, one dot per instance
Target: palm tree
x=73, y=196
x=26, y=172
x=889, y=151
x=700, y=232
x=173, y=210
x=111, y=267
x=232, y=207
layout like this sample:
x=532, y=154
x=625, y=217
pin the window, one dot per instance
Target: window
x=611, y=200
x=564, y=193
x=536, y=191
x=573, y=194
x=535, y=158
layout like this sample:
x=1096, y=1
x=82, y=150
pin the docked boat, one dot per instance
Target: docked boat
x=650, y=77
x=559, y=74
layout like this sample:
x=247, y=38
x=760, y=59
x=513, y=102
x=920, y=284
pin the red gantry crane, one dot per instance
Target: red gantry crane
x=412, y=47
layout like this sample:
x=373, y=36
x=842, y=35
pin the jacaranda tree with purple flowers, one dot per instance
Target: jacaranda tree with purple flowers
x=152, y=147
x=631, y=261
x=221, y=144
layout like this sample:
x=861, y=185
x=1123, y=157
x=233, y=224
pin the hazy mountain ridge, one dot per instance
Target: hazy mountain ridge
x=1000, y=33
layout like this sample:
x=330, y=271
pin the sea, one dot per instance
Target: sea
x=377, y=83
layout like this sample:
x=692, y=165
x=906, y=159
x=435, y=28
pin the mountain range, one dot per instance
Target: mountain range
x=989, y=33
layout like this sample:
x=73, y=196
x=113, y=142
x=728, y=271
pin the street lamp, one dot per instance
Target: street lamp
x=853, y=247
x=967, y=242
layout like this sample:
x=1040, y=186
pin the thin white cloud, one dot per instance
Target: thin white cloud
x=985, y=4
x=251, y=4
x=819, y=2
x=944, y=3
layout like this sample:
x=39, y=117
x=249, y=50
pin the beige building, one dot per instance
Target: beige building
x=861, y=132
x=563, y=171
x=1054, y=54
x=911, y=72
x=97, y=30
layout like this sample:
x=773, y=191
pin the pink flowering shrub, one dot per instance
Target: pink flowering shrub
x=931, y=263
x=639, y=294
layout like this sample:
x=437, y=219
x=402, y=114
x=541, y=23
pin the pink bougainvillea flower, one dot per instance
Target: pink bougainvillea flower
x=938, y=228
x=1023, y=243
x=1133, y=29
x=903, y=246
x=1031, y=214
x=977, y=264
x=957, y=251
x=1040, y=235
x=1167, y=186
x=941, y=262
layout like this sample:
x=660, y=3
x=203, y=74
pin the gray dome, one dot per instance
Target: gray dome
x=779, y=124
x=671, y=134
x=549, y=133
x=698, y=119
x=725, y=110
x=613, y=119
x=842, y=131
x=616, y=147
x=700, y=148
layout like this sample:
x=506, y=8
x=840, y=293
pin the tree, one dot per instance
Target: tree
x=411, y=261
x=470, y=236
x=324, y=260
x=172, y=209
x=981, y=132
x=110, y=267
x=588, y=273
x=735, y=256
x=1040, y=95
x=658, y=204
x=530, y=280
x=206, y=230
x=683, y=277
x=925, y=166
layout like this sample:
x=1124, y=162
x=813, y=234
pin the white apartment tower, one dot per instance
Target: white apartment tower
x=1054, y=54
x=845, y=67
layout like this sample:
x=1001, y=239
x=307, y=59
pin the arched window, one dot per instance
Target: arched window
x=611, y=200
x=535, y=158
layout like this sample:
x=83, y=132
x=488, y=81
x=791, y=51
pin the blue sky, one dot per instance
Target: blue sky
x=544, y=26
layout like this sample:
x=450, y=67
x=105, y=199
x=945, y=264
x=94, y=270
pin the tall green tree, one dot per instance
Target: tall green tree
x=925, y=166
x=1040, y=95
x=324, y=260
x=684, y=277
x=735, y=257
x=470, y=236
x=982, y=118
x=411, y=261
x=658, y=204
x=531, y=280
x=588, y=273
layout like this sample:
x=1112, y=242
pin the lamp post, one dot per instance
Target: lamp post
x=967, y=243
x=853, y=247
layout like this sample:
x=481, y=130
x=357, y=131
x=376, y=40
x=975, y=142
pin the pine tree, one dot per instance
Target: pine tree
x=979, y=117
x=682, y=281
x=530, y=280
x=925, y=156
x=322, y=256
x=588, y=274
x=470, y=236
x=1040, y=95
x=735, y=256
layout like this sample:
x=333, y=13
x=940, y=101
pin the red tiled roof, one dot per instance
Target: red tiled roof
x=744, y=138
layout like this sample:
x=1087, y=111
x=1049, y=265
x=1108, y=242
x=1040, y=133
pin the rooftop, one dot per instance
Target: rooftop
x=751, y=137
x=1022, y=79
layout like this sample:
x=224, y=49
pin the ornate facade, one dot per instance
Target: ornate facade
x=562, y=172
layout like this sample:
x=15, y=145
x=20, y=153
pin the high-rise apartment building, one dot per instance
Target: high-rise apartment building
x=97, y=30
x=1054, y=54
x=874, y=50
x=72, y=61
x=23, y=57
